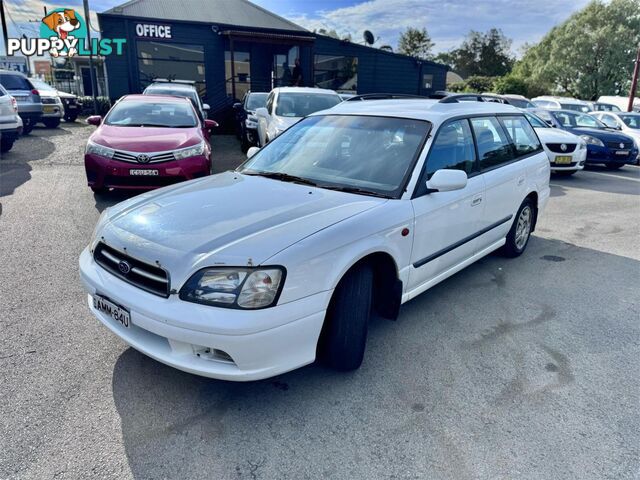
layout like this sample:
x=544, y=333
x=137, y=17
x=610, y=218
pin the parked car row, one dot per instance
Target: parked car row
x=33, y=101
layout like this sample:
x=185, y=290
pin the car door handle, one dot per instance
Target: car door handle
x=476, y=201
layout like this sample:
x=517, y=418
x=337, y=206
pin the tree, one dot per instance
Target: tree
x=481, y=54
x=589, y=55
x=415, y=43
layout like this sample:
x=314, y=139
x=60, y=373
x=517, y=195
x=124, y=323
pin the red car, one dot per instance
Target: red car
x=145, y=142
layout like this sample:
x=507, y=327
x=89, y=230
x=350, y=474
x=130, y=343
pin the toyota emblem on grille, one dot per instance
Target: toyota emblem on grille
x=142, y=158
x=124, y=267
x=563, y=147
x=622, y=145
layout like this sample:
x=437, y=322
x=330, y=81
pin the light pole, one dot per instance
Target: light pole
x=94, y=85
x=634, y=82
x=5, y=35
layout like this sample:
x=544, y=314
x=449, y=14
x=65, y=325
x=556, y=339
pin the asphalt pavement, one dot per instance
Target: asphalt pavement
x=512, y=369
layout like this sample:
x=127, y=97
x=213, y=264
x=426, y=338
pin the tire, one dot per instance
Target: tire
x=70, y=118
x=51, y=122
x=344, y=334
x=516, y=244
x=613, y=166
x=6, y=143
x=99, y=190
x=27, y=126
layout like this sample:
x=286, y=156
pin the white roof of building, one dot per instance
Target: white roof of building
x=420, y=109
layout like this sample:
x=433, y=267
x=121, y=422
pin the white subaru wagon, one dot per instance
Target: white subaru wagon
x=349, y=213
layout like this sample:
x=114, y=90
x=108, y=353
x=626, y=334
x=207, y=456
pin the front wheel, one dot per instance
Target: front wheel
x=6, y=143
x=518, y=236
x=70, y=118
x=344, y=334
x=28, y=125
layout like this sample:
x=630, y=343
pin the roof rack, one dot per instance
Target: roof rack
x=384, y=96
x=472, y=97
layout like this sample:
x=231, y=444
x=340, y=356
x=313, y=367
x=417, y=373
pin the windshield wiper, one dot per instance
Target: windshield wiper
x=285, y=177
x=357, y=190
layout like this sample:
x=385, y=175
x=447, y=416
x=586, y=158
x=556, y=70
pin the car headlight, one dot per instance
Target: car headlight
x=592, y=140
x=101, y=221
x=235, y=287
x=97, y=149
x=582, y=145
x=189, y=151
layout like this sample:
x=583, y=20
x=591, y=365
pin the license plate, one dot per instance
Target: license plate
x=72, y=107
x=118, y=313
x=144, y=172
x=563, y=160
x=48, y=109
x=622, y=152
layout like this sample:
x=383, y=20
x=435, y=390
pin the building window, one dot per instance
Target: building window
x=336, y=72
x=284, y=66
x=242, y=70
x=171, y=61
x=427, y=81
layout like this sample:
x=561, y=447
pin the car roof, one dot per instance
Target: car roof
x=15, y=72
x=154, y=98
x=173, y=86
x=418, y=109
x=323, y=91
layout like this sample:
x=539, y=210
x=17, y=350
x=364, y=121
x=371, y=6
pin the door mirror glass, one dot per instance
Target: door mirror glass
x=94, y=120
x=252, y=151
x=236, y=106
x=206, y=107
x=447, y=181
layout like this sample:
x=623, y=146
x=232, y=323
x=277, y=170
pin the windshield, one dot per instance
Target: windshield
x=40, y=85
x=256, y=100
x=577, y=107
x=370, y=154
x=190, y=94
x=535, y=121
x=300, y=104
x=631, y=120
x=520, y=103
x=133, y=113
x=573, y=120
x=15, y=82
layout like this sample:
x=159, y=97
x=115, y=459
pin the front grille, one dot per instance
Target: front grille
x=141, y=180
x=556, y=147
x=69, y=101
x=149, y=278
x=616, y=145
x=132, y=157
x=48, y=100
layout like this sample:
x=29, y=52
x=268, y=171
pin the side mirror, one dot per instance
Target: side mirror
x=210, y=124
x=262, y=112
x=206, y=107
x=252, y=151
x=237, y=106
x=94, y=120
x=447, y=181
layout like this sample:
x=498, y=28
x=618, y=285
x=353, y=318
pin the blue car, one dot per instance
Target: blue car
x=604, y=145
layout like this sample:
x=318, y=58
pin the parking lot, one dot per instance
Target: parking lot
x=511, y=369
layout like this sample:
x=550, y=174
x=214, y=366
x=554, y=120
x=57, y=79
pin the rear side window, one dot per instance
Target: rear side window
x=522, y=135
x=15, y=82
x=494, y=148
x=452, y=149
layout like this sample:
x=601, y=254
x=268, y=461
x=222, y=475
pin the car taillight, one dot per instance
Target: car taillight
x=35, y=92
x=15, y=104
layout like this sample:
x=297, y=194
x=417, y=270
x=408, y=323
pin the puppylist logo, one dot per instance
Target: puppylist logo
x=63, y=33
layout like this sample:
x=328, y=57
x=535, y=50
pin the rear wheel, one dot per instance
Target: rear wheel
x=27, y=127
x=518, y=237
x=51, y=122
x=613, y=166
x=6, y=143
x=344, y=334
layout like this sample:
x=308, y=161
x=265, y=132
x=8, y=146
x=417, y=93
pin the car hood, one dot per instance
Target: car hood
x=606, y=135
x=146, y=139
x=285, y=122
x=225, y=219
x=555, y=135
x=66, y=95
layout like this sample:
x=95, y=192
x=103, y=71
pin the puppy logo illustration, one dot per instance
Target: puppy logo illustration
x=62, y=23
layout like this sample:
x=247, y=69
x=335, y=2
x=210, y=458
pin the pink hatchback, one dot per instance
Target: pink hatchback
x=147, y=141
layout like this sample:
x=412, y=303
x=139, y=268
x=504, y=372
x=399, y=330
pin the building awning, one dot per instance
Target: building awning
x=262, y=37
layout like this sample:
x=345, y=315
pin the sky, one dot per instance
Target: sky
x=447, y=21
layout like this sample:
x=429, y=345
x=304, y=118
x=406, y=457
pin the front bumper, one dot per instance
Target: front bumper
x=607, y=155
x=103, y=172
x=183, y=335
x=52, y=111
x=578, y=159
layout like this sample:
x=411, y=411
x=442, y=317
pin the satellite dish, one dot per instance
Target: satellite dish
x=369, y=39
